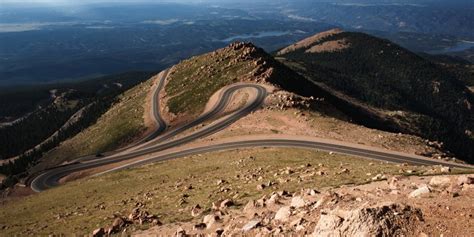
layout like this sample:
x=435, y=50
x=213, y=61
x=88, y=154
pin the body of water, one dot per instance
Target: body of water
x=256, y=35
x=460, y=46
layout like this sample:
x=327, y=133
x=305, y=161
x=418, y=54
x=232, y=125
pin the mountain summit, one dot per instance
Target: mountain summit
x=203, y=75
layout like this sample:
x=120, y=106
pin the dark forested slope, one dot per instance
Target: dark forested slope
x=423, y=97
x=47, y=118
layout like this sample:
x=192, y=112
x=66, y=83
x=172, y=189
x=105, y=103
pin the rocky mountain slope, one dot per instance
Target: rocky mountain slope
x=192, y=82
x=180, y=191
x=397, y=206
x=404, y=91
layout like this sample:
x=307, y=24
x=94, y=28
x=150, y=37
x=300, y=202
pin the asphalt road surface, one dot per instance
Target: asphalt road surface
x=160, y=141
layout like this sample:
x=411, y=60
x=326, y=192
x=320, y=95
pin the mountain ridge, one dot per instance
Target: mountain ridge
x=418, y=96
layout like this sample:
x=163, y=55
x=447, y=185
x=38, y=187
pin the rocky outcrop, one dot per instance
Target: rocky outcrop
x=382, y=220
x=136, y=216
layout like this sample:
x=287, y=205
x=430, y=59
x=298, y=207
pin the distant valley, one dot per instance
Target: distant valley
x=97, y=41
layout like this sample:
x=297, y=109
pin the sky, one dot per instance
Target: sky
x=78, y=2
x=89, y=1
x=85, y=2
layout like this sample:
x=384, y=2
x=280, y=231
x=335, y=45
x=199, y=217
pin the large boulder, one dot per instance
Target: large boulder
x=382, y=220
x=298, y=202
x=283, y=214
x=251, y=225
x=465, y=179
x=419, y=192
x=440, y=181
x=210, y=220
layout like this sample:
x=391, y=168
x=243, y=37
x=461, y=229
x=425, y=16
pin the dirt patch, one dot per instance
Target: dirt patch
x=309, y=41
x=316, y=124
x=16, y=193
x=329, y=46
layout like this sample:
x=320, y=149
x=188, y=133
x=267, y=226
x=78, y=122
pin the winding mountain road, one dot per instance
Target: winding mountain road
x=164, y=146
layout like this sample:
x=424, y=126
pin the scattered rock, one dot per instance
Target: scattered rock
x=462, y=180
x=200, y=226
x=98, y=232
x=141, y=217
x=379, y=177
x=283, y=214
x=340, y=211
x=313, y=192
x=134, y=214
x=419, y=192
x=156, y=222
x=343, y=171
x=321, y=173
x=423, y=235
x=180, y=232
x=440, y=181
x=251, y=225
x=283, y=193
x=196, y=211
x=393, y=183
x=298, y=222
x=289, y=171
x=310, y=192
x=395, y=192
x=219, y=231
x=274, y=199
x=117, y=225
x=250, y=206
x=298, y=202
x=226, y=203
x=445, y=169
x=262, y=202
x=210, y=220
x=327, y=225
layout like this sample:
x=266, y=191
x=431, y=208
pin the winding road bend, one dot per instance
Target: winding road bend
x=163, y=145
